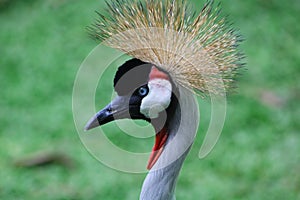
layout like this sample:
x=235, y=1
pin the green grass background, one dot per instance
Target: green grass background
x=257, y=157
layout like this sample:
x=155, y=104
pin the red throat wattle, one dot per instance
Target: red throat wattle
x=160, y=141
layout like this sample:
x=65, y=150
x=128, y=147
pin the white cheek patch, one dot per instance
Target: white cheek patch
x=158, y=98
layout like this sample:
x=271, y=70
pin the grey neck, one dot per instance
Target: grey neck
x=160, y=184
x=161, y=180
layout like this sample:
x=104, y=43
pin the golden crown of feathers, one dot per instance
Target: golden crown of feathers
x=198, y=51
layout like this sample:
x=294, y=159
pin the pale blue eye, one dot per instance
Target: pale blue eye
x=143, y=91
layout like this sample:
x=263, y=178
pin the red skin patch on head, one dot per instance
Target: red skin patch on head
x=157, y=74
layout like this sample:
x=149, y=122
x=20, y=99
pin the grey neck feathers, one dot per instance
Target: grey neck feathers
x=161, y=180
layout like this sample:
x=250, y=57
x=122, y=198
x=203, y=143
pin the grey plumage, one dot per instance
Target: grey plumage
x=161, y=181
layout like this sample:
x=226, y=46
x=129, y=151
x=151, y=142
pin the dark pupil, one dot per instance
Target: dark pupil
x=143, y=91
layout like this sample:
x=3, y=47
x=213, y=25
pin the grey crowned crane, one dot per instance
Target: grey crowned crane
x=176, y=54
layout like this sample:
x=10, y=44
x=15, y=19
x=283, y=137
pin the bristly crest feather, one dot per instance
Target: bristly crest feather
x=198, y=51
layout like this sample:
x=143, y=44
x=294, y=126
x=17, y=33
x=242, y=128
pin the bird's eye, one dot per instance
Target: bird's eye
x=143, y=91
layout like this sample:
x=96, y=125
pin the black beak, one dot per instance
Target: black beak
x=119, y=108
x=102, y=117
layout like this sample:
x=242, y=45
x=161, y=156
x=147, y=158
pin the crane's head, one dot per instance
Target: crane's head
x=144, y=91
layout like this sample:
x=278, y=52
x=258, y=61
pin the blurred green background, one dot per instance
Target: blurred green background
x=42, y=46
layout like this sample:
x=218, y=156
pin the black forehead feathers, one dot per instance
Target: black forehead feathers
x=127, y=66
x=131, y=75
